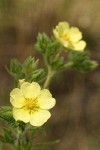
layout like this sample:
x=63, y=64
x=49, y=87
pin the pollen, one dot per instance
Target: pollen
x=31, y=104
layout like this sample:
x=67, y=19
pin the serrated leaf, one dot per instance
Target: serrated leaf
x=42, y=42
x=58, y=64
x=49, y=47
x=78, y=56
x=41, y=130
x=30, y=64
x=15, y=69
x=6, y=115
x=8, y=135
x=28, y=70
x=82, y=62
x=38, y=129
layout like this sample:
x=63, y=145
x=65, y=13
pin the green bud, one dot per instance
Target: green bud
x=81, y=61
x=42, y=42
x=28, y=70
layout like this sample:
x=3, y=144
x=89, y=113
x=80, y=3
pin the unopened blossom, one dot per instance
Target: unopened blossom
x=21, y=81
x=31, y=104
x=69, y=37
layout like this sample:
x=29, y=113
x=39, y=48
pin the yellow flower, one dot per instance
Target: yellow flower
x=31, y=103
x=69, y=37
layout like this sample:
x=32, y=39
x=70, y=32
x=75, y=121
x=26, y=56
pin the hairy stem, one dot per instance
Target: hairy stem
x=49, y=77
x=18, y=140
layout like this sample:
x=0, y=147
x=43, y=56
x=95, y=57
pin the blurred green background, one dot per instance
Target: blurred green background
x=76, y=118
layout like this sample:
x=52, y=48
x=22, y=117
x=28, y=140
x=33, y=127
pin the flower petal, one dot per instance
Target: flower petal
x=30, y=90
x=64, y=42
x=21, y=114
x=63, y=28
x=39, y=118
x=17, y=98
x=47, y=103
x=80, y=45
x=56, y=34
x=45, y=99
x=17, y=103
x=74, y=34
x=44, y=94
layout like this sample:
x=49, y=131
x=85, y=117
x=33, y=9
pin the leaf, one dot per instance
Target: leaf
x=6, y=115
x=42, y=42
x=41, y=130
x=81, y=61
x=38, y=129
x=29, y=64
x=15, y=69
x=48, y=47
x=27, y=70
x=46, y=144
x=58, y=64
x=6, y=135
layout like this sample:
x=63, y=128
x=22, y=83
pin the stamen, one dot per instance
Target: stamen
x=65, y=37
x=31, y=104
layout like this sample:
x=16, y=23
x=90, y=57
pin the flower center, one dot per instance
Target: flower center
x=31, y=104
x=66, y=38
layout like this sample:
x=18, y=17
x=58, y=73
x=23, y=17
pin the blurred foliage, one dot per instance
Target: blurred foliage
x=94, y=142
x=50, y=49
x=28, y=70
x=82, y=62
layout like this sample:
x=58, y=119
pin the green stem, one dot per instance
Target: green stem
x=58, y=54
x=50, y=71
x=30, y=140
x=49, y=77
x=68, y=65
x=18, y=140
